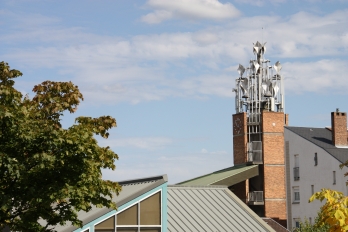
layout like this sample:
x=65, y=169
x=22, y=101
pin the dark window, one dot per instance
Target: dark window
x=315, y=159
x=150, y=210
x=334, y=177
x=129, y=216
x=131, y=229
x=107, y=225
x=297, y=223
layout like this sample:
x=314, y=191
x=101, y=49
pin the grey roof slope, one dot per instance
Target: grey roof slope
x=131, y=189
x=321, y=137
x=228, y=176
x=210, y=208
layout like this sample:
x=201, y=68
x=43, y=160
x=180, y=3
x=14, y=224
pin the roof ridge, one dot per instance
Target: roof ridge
x=199, y=186
x=144, y=180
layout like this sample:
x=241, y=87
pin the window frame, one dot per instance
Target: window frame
x=296, y=190
x=297, y=222
x=139, y=226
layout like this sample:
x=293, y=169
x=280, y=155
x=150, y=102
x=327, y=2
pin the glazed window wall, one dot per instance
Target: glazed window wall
x=143, y=216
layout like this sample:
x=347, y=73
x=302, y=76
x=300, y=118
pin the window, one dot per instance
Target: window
x=297, y=168
x=296, y=195
x=106, y=226
x=142, y=216
x=297, y=222
x=297, y=162
x=334, y=177
x=310, y=220
x=315, y=159
x=312, y=189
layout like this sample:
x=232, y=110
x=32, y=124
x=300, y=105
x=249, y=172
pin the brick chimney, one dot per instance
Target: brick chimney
x=339, y=128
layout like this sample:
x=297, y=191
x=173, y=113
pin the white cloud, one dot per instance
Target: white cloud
x=157, y=16
x=260, y=2
x=323, y=76
x=189, y=9
x=196, y=64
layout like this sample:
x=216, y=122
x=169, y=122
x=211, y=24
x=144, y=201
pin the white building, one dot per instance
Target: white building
x=313, y=156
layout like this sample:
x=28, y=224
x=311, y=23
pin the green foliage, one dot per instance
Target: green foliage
x=335, y=210
x=47, y=172
x=345, y=164
x=306, y=226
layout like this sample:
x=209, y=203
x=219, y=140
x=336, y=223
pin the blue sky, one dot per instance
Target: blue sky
x=165, y=69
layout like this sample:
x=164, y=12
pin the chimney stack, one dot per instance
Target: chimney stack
x=339, y=128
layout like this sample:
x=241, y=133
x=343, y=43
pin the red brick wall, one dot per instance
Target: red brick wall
x=275, y=209
x=239, y=138
x=274, y=182
x=339, y=128
x=274, y=164
x=272, y=122
x=273, y=147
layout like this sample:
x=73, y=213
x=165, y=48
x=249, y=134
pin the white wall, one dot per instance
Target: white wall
x=321, y=176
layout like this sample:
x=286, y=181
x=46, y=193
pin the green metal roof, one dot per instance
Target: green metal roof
x=228, y=176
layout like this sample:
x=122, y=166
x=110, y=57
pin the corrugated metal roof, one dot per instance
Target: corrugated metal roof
x=130, y=190
x=213, y=208
x=321, y=137
x=228, y=176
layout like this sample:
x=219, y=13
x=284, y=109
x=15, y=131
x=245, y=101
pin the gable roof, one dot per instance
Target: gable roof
x=228, y=176
x=131, y=189
x=210, y=208
x=322, y=138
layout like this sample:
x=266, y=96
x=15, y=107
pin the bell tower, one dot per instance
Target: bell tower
x=258, y=134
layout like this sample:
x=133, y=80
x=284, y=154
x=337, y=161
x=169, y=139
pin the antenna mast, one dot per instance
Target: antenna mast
x=259, y=87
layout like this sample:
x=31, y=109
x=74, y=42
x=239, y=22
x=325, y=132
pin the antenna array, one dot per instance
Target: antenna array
x=259, y=87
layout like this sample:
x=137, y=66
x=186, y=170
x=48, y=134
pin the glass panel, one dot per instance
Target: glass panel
x=129, y=216
x=108, y=224
x=150, y=229
x=150, y=210
x=297, y=196
x=130, y=229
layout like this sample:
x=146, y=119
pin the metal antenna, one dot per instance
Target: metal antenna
x=259, y=87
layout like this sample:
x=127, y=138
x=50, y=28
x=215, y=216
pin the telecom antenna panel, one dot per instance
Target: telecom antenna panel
x=259, y=87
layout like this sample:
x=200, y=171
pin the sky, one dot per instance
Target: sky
x=165, y=69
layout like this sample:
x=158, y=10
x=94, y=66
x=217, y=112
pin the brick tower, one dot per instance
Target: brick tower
x=258, y=135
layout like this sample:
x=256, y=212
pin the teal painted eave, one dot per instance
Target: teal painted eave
x=228, y=176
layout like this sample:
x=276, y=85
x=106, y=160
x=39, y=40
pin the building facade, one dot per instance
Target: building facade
x=313, y=156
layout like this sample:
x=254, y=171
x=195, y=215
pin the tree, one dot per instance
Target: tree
x=306, y=226
x=47, y=172
x=334, y=212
